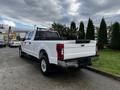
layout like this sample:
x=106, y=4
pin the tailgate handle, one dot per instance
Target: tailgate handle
x=82, y=45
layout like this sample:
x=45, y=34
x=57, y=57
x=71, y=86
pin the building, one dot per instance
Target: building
x=12, y=33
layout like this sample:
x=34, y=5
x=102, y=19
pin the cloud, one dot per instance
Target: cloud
x=9, y=23
x=31, y=11
x=45, y=12
x=74, y=6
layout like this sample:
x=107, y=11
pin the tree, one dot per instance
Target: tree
x=109, y=34
x=90, y=34
x=102, y=34
x=72, y=31
x=62, y=29
x=81, y=32
x=115, y=41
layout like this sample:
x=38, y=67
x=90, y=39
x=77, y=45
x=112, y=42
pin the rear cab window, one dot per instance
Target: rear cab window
x=46, y=35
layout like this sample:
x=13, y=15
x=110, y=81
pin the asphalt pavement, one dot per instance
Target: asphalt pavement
x=24, y=74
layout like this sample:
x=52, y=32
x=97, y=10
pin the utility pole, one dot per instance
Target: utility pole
x=9, y=30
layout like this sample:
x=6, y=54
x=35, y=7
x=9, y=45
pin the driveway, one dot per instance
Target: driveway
x=24, y=74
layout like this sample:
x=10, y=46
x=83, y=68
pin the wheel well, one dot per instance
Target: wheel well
x=42, y=52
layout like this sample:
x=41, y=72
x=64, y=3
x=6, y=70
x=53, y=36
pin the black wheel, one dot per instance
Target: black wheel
x=10, y=46
x=45, y=66
x=21, y=53
x=4, y=45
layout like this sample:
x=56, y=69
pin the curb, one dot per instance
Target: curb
x=104, y=73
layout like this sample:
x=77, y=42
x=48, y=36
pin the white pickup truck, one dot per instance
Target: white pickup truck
x=50, y=49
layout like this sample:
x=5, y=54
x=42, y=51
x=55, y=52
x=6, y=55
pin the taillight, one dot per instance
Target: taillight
x=60, y=51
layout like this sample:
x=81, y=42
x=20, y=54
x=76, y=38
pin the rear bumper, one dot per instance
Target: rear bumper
x=82, y=62
x=2, y=45
x=68, y=64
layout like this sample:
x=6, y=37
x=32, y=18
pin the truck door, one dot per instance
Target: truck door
x=27, y=43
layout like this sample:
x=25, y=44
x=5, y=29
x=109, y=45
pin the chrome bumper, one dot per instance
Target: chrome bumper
x=68, y=64
x=85, y=61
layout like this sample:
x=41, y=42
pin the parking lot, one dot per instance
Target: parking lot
x=24, y=74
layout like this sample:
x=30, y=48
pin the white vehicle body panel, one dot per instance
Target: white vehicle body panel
x=14, y=43
x=71, y=49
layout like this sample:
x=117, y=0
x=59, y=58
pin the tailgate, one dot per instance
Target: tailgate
x=72, y=51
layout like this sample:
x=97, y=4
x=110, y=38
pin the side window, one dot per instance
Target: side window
x=26, y=36
x=39, y=35
x=29, y=35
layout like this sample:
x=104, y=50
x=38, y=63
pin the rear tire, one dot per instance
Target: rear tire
x=45, y=66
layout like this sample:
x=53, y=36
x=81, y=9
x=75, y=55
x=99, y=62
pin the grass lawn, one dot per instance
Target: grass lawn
x=109, y=61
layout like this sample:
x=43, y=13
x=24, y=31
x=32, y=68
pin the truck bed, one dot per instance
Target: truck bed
x=71, y=49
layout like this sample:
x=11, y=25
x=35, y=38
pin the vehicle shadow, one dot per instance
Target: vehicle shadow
x=60, y=75
x=58, y=72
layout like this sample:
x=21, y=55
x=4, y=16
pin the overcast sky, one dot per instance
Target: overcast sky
x=45, y=12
